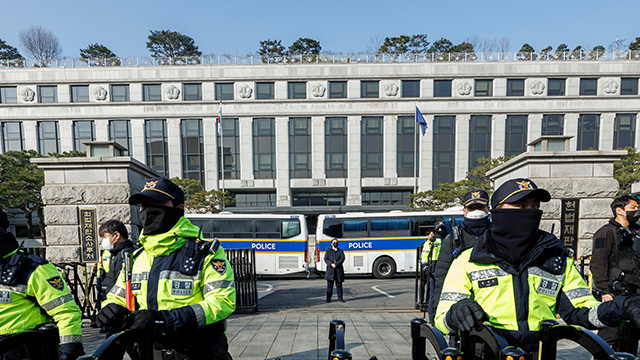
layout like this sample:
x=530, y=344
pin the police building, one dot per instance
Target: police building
x=338, y=132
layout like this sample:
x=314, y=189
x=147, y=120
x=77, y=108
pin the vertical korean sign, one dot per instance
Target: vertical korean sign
x=88, y=235
x=569, y=223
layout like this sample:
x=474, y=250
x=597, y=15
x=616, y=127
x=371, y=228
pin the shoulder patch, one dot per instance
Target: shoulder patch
x=219, y=265
x=56, y=282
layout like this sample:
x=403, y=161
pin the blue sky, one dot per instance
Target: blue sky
x=237, y=27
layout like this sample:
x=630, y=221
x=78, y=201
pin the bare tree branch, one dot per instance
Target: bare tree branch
x=504, y=45
x=41, y=43
x=374, y=44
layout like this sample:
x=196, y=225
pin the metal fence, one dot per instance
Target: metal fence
x=243, y=262
x=324, y=58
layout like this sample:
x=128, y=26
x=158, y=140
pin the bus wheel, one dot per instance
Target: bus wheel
x=384, y=268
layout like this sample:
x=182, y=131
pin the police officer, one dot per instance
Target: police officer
x=115, y=242
x=475, y=222
x=183, y=287
x=613, y=268
x=32, y=293
x=516, y=276
x=428, y=257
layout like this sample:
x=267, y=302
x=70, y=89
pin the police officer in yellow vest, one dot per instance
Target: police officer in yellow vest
x=184, y=287
x=32, y=293
x=516, y=276
x=428, y=257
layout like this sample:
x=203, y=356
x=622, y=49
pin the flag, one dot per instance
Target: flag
x=219, y=121
x=420, y=120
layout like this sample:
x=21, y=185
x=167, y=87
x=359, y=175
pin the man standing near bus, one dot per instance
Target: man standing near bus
x=334, y=258
x=430, y=253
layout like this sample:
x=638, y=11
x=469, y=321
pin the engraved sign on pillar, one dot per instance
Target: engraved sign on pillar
x=569, y=223
x=88, y=235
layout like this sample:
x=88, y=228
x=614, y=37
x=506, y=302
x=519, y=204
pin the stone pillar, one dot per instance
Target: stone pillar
x=101, y=183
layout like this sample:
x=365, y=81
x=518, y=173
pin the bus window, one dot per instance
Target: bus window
x=332, y=228
x=389, y=227
x=421, y=225
x=355, y=228
x=205, y=226
x=268, y=229
x=290, y=228
x=233, y=228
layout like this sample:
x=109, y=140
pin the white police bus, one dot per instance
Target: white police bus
x=280, y=240
x=379, y=243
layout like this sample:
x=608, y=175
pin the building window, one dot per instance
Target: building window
x=321, y=198
x=48, y=138
x=120, y=132
x=624, y=131
x=444, y=133
x=264, y=148
x=335, y=147
x=119, y=93
x=555, y=87
x=300, y=148
x=83, y=131
x=12, y=135
x=483, y=88
x=410, y=88
x=382, y=197
x=230, y=149
x=588, y=131
x=192, y=150
x=406, y=144
x=337, y=89
x=588, y=86
x=259, y=199
x=8, y=95
x=47, y=94
x=442, y=88
x=515, y=136
x=151, y=92
x=479, y=139
x=369, y=89
x=79, y=93
x=628, y=86
x=224, y=91
x=552, y=124
x=192, y=92
x=371, y=146
x=515, y=87
x=297, y=90
x=156, y=145
x=264, y=91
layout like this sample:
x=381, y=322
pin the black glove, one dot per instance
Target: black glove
x=466, y=314
x=146, y=320
x=632, y=310
x=71, y=351
x=112, y=316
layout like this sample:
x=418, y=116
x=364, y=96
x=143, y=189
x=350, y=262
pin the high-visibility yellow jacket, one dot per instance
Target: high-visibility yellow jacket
x=518, y=301
x=169, y=273
x=426, y=248
x=33, y=293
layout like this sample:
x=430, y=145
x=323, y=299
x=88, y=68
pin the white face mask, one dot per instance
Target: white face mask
x=106, y=244
x=476, y=214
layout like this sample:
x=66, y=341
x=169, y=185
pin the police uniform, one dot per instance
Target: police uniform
x=111, y=265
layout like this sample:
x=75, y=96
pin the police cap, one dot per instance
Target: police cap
x=515, y=189
x=476, y=197
x=159, y=189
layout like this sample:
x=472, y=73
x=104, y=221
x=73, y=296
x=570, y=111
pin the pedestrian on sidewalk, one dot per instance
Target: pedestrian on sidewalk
x=334, y=258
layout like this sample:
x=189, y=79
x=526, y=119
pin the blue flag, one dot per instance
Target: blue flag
x=420, y=120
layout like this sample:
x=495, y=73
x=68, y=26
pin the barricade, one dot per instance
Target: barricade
x=243, y=263
x=31, y=344
x=421, y=298
x=81, y=279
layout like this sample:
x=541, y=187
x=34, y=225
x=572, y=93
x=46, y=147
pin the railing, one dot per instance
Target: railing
x=324, y=58
x=243, y=262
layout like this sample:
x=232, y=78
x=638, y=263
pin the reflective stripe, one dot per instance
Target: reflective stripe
x=200, y=315
x=454, y=296
x=209, y=287
x=545, y=274
x=64, y=339
x=140, y=277
x=118, y=291
x=22, y=289
x=486, y=274
x=593, y=317
x=576, y=293
x=57, y=302
x=176, y=275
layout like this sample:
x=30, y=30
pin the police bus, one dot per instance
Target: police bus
x=280, y=240
x=379, y=243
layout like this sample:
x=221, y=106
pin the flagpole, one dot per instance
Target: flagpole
x=221, y=148
x=415, y=151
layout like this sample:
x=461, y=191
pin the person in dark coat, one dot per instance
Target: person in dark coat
x=334, y=258
x=115, y=242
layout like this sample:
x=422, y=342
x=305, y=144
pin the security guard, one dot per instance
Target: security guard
x=428, y=257
x=516, y=276
x=183, y=287
x=115, y=242
x=32, y=293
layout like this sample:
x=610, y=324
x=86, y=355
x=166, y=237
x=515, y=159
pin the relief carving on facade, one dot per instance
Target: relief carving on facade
x=318, y=90
x=245, y=91
x=100, y=93
x=391, y=89
x=464, y=88
x=610, y=87
x=173, y=92
x=28, y=95
x=537, y=87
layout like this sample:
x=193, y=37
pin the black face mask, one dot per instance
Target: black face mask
x=158, y=219
x=515, y=232
x=633, y=216
x=477, y=226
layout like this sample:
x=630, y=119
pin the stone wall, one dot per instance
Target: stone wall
x=103, y=183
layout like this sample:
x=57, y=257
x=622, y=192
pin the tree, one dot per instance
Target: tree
x=577, y=53
x=441, y=46
x=395, y=46
x=200, y=201
x=627, y=170
x=173, y=46
x=617, y=47
x=635, y=46
x=561, y=52
x=72, y=153
x=544, y=53
x=9, y=54
x=526, y=52
x=374, y=45
x=271, y=51
x=20, y=185
x=463, y=47
x=504, y=46
x=418, y=44
x=304, y=50
x=99, y=55
x=41, y=43
x=596, y=52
